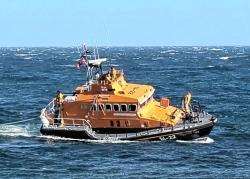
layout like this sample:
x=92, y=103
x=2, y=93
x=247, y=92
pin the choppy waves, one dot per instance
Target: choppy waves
x=13, y=131
x=217, y=76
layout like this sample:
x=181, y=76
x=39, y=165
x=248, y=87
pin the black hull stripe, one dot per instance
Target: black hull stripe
x=183, y=134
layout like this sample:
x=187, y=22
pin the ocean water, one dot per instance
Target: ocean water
x=219, y=77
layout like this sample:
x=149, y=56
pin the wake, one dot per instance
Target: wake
x=202, y=140
x=10, y=130
x=13, y=131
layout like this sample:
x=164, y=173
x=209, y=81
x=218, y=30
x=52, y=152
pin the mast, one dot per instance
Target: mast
x=93, y=64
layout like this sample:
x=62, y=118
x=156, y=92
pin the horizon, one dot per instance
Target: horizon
x=110, y=23
x=135, y=46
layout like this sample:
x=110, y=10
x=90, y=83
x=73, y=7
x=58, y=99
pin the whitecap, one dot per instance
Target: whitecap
x=163, y=52
x=21, y=54
x=169, y=51
x=197, y=48
x=27, y=58
x=224, y=58
x=13, y=131
x=172, y=53
x=144, y=64
x=73, y=66
x=216, y=49
x=202, y=140
x=158, y=58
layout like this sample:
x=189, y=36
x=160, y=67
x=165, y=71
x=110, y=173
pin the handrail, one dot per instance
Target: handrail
x=86, y=125
x=75, y=119
x=50, y=109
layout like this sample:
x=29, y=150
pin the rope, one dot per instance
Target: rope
x=17, y=122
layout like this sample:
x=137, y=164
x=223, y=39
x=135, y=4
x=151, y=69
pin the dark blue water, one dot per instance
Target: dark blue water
x=218, y=77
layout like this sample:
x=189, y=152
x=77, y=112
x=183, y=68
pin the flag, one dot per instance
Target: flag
x=81, y=61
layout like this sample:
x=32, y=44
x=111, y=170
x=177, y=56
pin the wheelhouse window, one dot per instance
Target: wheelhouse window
x=100, y=107
x=116, y=107
x=108, y=107
x=132, y=107
x=123, y=107
x=94, y=107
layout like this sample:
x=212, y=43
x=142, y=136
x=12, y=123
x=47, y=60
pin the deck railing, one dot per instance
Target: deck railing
x=49, y=113
x=85, y=124
x=78, y=123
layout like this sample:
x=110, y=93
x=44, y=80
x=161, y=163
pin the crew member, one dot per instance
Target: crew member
x=186, y=102
x=58, y=106
x=113, y=73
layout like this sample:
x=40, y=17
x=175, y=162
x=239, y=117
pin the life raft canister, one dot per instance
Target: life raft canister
x=164, y=102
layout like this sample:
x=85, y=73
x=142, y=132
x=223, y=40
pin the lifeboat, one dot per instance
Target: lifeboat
x=106, y=106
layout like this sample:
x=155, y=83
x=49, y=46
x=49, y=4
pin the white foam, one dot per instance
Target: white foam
x=144, y=64
x=216, y=49
x=169, y=51
x=72, y=66
x=202, y=140
x=158, y=58
x=21, y=54
x=172, y=53
x=27, y=58
x=13, y=131
x=224, y=58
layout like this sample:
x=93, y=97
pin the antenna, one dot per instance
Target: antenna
x=107, y=36
x=84, y=48
x=94, y=54
x=97, y=52
x=78, y=49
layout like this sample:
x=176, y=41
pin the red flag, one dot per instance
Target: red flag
x=81, y=61
x=83, y=58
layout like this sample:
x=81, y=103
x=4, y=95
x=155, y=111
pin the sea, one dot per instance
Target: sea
x=218, y=77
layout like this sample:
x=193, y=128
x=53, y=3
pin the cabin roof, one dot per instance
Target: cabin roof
x=137, y=91
x=115, y=87
x=105, y=98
